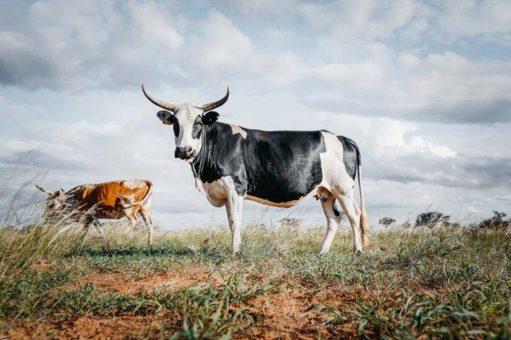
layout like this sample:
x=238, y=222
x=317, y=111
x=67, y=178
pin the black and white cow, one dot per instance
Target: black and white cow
x=277, y=168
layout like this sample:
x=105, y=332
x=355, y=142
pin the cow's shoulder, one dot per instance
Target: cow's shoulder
x=82, y=192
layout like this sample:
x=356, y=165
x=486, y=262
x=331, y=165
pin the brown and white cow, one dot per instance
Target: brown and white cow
x=87, y=203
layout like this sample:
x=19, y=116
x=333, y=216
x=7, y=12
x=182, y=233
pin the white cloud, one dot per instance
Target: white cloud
x=266, y=7
x=226, y=51
x=470, y=18
x=360, y=19
x=82, y=45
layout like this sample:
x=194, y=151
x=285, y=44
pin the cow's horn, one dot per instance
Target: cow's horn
x=43, y=190
x=160, y=103
x=214, y=105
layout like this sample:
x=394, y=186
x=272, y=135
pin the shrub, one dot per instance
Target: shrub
x=387, y=221
x=497, y=221
x=432, y=219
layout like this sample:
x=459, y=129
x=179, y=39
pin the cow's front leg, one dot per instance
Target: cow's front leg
x=85, y=231
x=234, y=207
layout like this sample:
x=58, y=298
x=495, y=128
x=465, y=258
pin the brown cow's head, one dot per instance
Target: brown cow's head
x=55, y=203
x=188, y=122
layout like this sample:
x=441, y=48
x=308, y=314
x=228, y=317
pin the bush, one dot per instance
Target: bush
x=432, y=219
x=497, y=221
x=387, y=221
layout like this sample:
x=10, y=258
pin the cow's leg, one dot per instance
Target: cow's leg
x=146, y=216
x=132, y=218
x=363, y=233
x=86, y=221
x=85, y=231
x=332, y=219
x=234, y=207
x=130, y=213
x=350, y=208
x=99, y=228
x=101, y=232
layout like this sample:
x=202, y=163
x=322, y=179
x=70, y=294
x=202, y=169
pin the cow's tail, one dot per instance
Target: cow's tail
x=144, y=199
x=363, y=214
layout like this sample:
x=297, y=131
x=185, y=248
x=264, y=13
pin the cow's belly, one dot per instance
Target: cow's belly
x=286, y=188
x=110, y=214
x=216, y=191
x=287, y=204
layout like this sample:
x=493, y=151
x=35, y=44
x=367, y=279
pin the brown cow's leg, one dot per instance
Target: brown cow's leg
x=146, y=216
x=87, y=221
x=99, y=228
x=133, y=222
x=85, y=231
x=101, y=232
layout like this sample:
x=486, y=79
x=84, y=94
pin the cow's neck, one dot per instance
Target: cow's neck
x=202, y=163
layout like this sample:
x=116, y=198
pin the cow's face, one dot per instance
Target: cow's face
x=55, y=202
x=189, y=123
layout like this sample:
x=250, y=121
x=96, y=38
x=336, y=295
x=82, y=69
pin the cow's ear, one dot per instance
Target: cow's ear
x=166, y=117
x=210, y=117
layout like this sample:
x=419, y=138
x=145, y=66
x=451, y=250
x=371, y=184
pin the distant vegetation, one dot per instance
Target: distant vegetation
x=387, y=221
x=431, y=281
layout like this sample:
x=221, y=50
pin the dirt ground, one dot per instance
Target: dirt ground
x=117, y=282
x=286, y=314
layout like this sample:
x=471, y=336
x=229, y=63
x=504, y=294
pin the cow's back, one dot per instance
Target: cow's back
x=104, y=196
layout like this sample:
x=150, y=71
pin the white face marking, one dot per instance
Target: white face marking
x=186, y=115
x=55, y=204
x=236, y=129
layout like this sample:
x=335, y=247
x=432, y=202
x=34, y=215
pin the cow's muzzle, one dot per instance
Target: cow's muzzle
x=184, y=152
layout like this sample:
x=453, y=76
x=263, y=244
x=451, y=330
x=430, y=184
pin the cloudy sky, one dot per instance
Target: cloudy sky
x=424, y=87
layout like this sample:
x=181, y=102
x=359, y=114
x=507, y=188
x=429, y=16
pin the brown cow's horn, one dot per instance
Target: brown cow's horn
x=214, y=105
x=160, y=103
x=44, y=190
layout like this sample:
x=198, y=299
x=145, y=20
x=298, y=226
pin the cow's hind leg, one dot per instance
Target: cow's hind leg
x=132, y=218
x=350, y=208
x=146, y=216
x=333, y=218
x=234, y=207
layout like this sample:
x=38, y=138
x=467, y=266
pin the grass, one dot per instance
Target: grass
x=447, y=283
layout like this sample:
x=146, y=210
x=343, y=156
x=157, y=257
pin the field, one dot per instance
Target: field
x=443, y=282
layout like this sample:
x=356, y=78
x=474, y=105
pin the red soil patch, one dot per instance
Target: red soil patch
x=117, y=282
x=121, y=327
x=43, y=265
x=290, y=314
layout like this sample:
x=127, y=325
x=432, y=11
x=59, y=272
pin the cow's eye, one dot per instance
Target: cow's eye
x=176, y=127
x=197, y=129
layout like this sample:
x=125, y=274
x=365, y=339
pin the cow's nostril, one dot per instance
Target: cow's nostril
x=188, y=149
